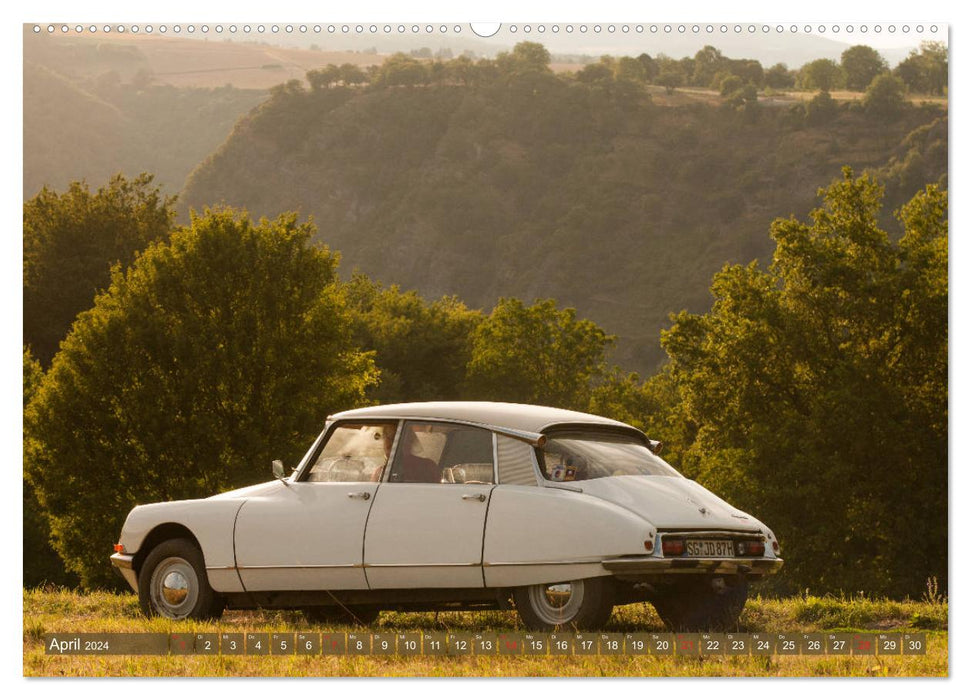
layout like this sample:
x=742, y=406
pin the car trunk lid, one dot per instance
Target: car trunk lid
x=670, y=503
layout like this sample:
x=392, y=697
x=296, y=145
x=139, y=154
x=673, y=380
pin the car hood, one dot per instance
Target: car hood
x=671, y=502
x=251, y=491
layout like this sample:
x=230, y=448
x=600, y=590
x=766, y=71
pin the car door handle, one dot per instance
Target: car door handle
x=363, y=495
x=473, y=497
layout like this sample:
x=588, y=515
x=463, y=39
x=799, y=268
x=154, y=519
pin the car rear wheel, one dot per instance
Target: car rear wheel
x=342, y=615
x=580, y=604
x=704, y=605
x=172, y=583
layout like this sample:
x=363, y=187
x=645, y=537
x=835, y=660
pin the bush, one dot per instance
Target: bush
x=216, y=352
x=884, y=99
x=821, y=109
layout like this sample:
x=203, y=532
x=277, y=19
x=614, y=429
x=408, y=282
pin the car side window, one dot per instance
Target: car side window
x=354, y=452
x=439, y=453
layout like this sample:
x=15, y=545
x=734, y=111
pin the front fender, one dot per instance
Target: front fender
x=210, y=521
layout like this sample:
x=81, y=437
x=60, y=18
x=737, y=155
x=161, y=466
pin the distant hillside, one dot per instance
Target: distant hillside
x=541, y=186
x=92, y=110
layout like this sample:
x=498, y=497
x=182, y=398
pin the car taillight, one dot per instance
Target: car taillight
x=649, y=545
x=750, y=548
x=672, y=547
x=775, y=546
x=119, y=548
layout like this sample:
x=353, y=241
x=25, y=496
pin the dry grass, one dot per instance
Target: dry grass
x=47, y=611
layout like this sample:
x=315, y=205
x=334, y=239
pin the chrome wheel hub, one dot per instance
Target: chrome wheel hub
x=557, y=603
x=174, y=588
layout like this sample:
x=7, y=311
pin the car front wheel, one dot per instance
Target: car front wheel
x=704, y=605
x=172, y=583
x=580, y=604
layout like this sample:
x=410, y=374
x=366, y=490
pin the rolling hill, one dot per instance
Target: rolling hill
x=544, y=187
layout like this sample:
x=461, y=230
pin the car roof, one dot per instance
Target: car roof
x=516, y=416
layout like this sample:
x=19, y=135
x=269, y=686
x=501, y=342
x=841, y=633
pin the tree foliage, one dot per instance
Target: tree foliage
x=779, y=77
x=214, y=353
x=41, y=563
x=533, y=184
x=670, y=79
x=526, y=57
x=72, y=239
x=421, y=348
x=818, y=391
x=821, y=109
x=821, y=74
x=861, y=64
x=884, y=98
x=925, y=71
x=536, y=354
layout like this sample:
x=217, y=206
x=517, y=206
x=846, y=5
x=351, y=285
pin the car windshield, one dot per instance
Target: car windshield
x=581, y=456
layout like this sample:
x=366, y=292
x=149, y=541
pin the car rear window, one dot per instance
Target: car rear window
x=582, y=456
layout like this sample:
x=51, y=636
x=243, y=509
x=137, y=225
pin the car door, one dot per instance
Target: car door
x=309, y=535
x=427, y=522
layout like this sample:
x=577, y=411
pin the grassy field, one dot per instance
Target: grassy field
x=47, y=611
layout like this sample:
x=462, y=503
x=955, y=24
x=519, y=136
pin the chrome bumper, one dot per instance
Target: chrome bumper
x=674, y=565
x=123, y=562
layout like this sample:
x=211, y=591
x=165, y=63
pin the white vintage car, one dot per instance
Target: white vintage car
x=456, y=506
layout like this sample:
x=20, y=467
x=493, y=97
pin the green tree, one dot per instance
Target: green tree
x=351, y=74
x=595, y=73
x=41, y=563
x=421, y=348
x=821, y=109
x=214, y=353
x=749, y=70
x=536, y=354
x=400, y=69
x=322, y=78
x=729, y=84
x=650, y=66
x=822, y=74
x=925, y=71
x=630, y=69
x=779, y=77
x=460, y=70
x=72, y=239
x=861, y=64
x=708, y=62
x=670, y=79
x=823, y=381
x=745, y=97
x=884, y=98
x=526, y=57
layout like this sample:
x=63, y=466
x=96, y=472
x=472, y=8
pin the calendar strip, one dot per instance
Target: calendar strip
x=489, y=644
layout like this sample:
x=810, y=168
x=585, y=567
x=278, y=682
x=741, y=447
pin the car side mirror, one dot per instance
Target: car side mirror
x=655, y=446
x=278, y=470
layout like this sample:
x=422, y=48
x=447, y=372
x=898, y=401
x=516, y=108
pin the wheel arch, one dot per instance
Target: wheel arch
x=161, y=533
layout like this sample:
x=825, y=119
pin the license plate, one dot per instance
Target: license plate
x=709, y=548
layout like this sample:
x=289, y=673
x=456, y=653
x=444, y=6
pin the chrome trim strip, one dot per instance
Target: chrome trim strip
x=122, y=561
x=495, y=458
x=342, y=566
x=712, y=533
x=648, y=565
x=414, y=566
x=535, y=439
x=561, y=486
x=298, y=566
x=228, y=567
x=543, y=563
